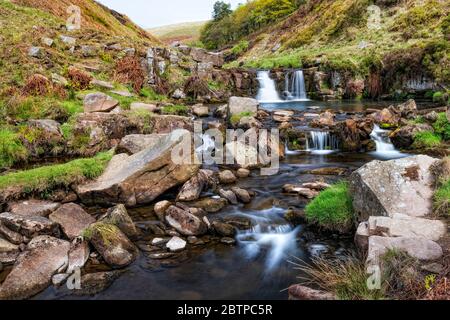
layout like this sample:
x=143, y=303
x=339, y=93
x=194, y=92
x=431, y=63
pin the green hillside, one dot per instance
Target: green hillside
x=187, y=32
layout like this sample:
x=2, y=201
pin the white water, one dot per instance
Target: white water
x=267, y=89
x=321, y=142
x=270, y=232
x=295, y=86
x=385, y=148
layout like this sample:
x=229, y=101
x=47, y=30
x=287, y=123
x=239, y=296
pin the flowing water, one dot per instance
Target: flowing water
x=385, y=148
x=267, y=89
x=321, y=142
x=295, y=88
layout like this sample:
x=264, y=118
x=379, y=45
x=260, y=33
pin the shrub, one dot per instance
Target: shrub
x=438, y=97
x=442, y=126
x=332, y=209
x=37, y=85
x=241, y=47
x=426, y=139
x=129, y=71
x=79, y=79
x=47, y=178
x=11, y=148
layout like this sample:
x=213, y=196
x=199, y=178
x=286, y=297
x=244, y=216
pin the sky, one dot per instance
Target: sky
x=155, y=13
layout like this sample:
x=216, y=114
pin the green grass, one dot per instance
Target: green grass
x=240, y=48
x=442, y=126
x=178, y=110
x=442, y=200
x=236, y=118
x=150, y=94
x=73, y=107
x=43, y=179
x=12, y=149
x=332, y=209
x=426, y=139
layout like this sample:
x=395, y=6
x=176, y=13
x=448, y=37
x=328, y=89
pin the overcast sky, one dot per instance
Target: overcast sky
x=155, y=13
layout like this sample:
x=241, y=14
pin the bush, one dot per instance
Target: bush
x=11, y=148
x=442, y=126
x=47, y=178
x=79, y=79
x=37, y=85
x=332, y=209
x=129, y=71
x=438, y=97
x=241, y=47
x=426, y=139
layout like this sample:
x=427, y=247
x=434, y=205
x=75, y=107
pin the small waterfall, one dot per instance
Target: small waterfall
x=322, y=142
x=295, y=88
x=385, y=148
x=267, y=89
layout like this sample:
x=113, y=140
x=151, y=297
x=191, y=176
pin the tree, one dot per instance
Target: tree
x=221, y=10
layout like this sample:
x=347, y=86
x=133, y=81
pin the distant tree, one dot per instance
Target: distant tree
x=221, y=10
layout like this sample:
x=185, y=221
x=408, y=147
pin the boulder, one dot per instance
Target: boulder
x=405, y=110
x=8, y=252
x=29, y=226
x=184, y=222
x=78, y=255
x=242, y=194
x=203, y=56
x=302, y=293
x=325, y=120
x=50, y=127
x=34, y=268
x=210, y=205
x=72, y=219
x=143, y=106
x=224, y=229
x=120, y=217
x=99, y=102
x=135, y=143
x=238, y=105
x=102, y=84
x=11, y=236
x=227, y=177
x=94, y=283
x=200, y=110
x=402, y=186
x=141, y=178
x=176, y=244
x=283, y=115
x=32, y=208
x=112, y=244
x=242, y=173
x=385, y=117
x=229, y=195
x=403, y=137
x=419, y=248
x=161, y=208
x=193, y=188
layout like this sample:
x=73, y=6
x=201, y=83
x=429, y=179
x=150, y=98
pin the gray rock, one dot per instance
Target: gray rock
x=184, y=222
x=120, y=217
x=402, y=186
x=69, y=41
x=201, y=55
x=135, y=143
x=72, y=219
x=11, y=236
x=229, y=195
x=242, y=173
x=29, y=226
x=302, y=293
x=102, y=84
x=161, y=208
x=57, y=79
x=88, y=51
x=200, y=110
x=237, y=105
x=178, y=94
x=227, y=177
x=36, y=52
x=140, y=178
x=51, y=127
x=33, y=271
x=112, y=244
x=419, y=248
x=243, y=195
x=193, y=188
x=8, y=252
x=144, y=106
x=47, y=41
x=176, y=244
x=99, y=102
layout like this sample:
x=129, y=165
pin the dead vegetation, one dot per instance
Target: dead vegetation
x=79, y=79
x=129, y=71
x=37, y=85
x=196, y=87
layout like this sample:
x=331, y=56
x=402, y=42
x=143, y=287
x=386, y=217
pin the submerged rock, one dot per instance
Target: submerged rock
x=210, y=205
x=35, y=267
x=94, y=283
x=386, y=188
x=72, y=219
x=224, y=229
x=141, y=178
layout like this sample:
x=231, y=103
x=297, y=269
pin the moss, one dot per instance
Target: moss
x=332, y=209
x=106, y=231
x=236, y=118
x=12, y=149
x=47, y=178
x=426, y=139
x=178, y=110
x=149, y=93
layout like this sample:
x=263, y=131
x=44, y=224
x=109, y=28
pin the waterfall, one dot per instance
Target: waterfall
x=267, y=89
x=385, y=148
x=295, y=88
x=322, y=142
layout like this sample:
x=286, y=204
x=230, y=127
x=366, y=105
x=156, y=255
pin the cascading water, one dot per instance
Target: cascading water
x=321, y=142
x=295, y=86
x=267, y=89
x=385, y=148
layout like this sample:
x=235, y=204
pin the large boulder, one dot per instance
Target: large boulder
x=141, y=178
x=99, y=102
x=193, y=188
x=135, y=143
x=119, y=216
x=29, y=226
x=32, y=208
x=238, y=105
x=402, y=186
x=33, y=270
x=112, y=244
x=72, y=219
x=8, y=252
x=185, y=222
x=403, y=137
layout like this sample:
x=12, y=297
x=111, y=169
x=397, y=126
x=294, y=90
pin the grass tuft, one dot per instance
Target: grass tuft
x=426, y=139
x=12, y=149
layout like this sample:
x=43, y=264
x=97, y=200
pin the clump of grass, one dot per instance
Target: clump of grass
x=241, y=47
x=43, y=179
x=426, y=139
x=12, y=149
x=442, y=126
x=106, y=231
x=332, y=209
x=175, y=110
x=442, y=200
x=150, y=94
x=72, y=107
x=236, y=118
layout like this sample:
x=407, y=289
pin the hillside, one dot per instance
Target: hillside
x=188, y=32
x=412, y=36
